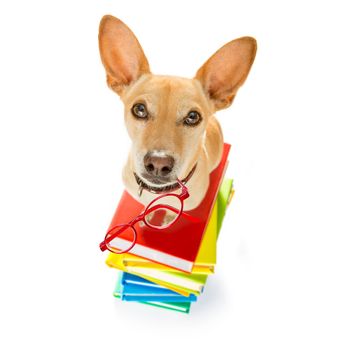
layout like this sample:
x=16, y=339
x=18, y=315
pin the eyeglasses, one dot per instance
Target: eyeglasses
x=163, y=212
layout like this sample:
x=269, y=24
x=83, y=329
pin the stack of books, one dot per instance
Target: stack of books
x=169, y=268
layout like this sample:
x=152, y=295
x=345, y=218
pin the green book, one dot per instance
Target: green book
x=181, y=307
x=224, y=197
x=118, y=287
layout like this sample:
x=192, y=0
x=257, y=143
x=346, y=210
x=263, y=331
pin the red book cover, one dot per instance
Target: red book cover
x=176, y=246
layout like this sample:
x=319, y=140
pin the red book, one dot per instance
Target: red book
x=176, y=246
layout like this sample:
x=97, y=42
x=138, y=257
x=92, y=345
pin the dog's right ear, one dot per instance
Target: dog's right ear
x=121, y=54
x=225, y=72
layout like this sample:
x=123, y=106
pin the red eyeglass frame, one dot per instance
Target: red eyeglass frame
x=110, y=235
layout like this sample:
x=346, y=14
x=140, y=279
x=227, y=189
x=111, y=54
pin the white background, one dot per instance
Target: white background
x=282, y=278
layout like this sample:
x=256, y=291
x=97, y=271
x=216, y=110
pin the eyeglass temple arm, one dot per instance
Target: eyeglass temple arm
x=190, y=217
x=184, y=190
x=103, y=246
x=165, y=206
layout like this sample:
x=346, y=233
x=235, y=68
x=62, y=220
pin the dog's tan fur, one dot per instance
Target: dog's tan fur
x=169, y=100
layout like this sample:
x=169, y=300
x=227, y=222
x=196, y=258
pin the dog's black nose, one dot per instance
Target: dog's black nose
x=158, y=165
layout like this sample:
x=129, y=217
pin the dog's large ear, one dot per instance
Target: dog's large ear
x=225, y=71
x=121, y=54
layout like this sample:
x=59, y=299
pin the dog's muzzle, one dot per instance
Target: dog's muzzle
x=164, y=189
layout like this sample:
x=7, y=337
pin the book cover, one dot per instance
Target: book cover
x=223, y=200
x=181, y=307
x=205, y=260
x=175, y=247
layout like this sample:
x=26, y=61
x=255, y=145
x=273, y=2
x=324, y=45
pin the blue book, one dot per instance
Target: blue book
x=175, y=306
x=135, y=288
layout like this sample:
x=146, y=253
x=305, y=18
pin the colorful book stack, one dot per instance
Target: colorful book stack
x=169, y=269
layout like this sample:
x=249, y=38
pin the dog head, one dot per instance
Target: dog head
x=167, y=117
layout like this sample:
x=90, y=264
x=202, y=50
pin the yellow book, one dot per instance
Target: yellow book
x=115, y=261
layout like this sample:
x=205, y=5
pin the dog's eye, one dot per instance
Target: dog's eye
x=193, y=118
x=139, y=110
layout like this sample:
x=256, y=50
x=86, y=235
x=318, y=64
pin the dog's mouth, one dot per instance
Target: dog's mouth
x=168, y=187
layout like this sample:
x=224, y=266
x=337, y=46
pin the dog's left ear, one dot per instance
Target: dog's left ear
x=121, y=54
x=223, y=74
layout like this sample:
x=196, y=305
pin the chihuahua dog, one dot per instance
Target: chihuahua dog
x=170, y=120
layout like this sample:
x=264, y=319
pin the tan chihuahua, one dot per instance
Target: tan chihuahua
x=170, y=120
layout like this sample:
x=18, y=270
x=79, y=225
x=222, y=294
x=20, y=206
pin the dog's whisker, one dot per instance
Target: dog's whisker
x=140, y=189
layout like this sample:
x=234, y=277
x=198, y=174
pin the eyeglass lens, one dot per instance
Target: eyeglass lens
x=163, y=212
x=123, y=241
